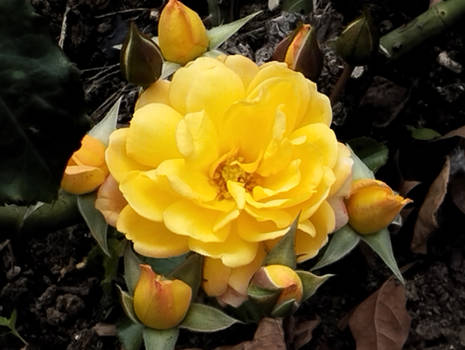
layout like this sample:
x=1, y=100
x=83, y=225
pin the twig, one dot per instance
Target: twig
x=61, y=41
x=123, y=11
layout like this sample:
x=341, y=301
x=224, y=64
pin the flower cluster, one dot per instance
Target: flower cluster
x=221, y=160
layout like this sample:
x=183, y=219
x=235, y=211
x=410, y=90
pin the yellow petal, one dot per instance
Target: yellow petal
x=252, y=230
x=233, y=252
x=197, y=140
x=244, y=67
x=205, y=84
x=307, y=245
x=159, y=303
x=372, y=205
x=280, y=277
x=158, y=92
x=215, y=277
x=150, y=238
x=92, y=152
x=318, y=108
x=110, y=200
x=80, y=179
x=343, y=172
x=119, y=163
x=151, y=136
x=148, y=193
x=241, y=276
x=188, y=219
x=181, y=33
x=187, y=181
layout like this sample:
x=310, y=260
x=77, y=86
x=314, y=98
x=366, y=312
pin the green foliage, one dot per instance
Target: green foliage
x=342, y=242
x=41, y=107
x=203, y=318
x=283, y=253
x=157, y=339
x=373, y=153
x=311, y=283
x=130, y=334
x=11, y=324
x=190, y=272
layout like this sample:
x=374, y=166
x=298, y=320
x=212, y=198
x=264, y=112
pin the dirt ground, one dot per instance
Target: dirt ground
x=56, y=285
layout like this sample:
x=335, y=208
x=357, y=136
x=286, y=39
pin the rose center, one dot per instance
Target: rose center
x=231, y=171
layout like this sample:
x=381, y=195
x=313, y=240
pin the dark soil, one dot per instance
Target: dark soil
x=54, y=281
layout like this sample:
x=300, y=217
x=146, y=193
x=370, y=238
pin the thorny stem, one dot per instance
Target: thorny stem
x=341, y=83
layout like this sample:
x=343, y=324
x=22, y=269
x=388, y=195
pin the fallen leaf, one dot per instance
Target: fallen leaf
x=269, y=335
x=299, y=331
x=427, y=216
x=381, y=321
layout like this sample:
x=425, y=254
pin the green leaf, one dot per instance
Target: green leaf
x=218, y=35
x=164, y=266
x=283, y=253
x=127, y=302
x=130, y=334
x=131, y=268
x=203, y=318
x=168, y=69
x=157, y=339
x=94, y=219
x=303, y=6
x=42, y=118
x=284, y=309
x=264, y=299
x=107, y=125
x=380, y=242
x=342, y=242
x=424, y=134
x=11, y=324
x=311, y=283
x=359, y=169
x=190, y=271
x=373, y=153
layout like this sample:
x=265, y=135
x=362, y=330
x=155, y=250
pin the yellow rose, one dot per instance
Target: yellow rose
x=86, y=169
x=223, y=158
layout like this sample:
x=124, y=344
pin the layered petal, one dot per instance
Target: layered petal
x=158, y=92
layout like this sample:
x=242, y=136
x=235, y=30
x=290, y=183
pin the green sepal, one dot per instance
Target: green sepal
x=204, y=318
x=359, y=168
x=218, y=35
x=94, y=219
x=127, y=302
x=311, y=282
x=373, y=153
x=264, y=299
x=103, y=129
x=141, y=60
x=342, y=242
x=165, y=266
x=160, y=339
x=130, y=334
x=380, y=242
x=190, y=271
x=284, y=309
x=131, y=268
x=283, y=253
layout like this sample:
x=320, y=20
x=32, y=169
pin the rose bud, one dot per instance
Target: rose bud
x=86, y=169
x=274, y=277
x=372, y=205
x=160, y=303
x=181, y=33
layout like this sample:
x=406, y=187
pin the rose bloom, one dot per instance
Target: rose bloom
x=221, y=160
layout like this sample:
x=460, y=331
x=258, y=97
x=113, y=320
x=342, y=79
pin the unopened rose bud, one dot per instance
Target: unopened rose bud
x=274, y=277
x=372, y=205
x=110, y=200
x=181, y=33
x=86, y=169
x=160, y=303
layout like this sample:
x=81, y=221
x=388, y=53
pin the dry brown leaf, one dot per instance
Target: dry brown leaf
x=268, y=336
x=457, y=132
x=381, y=321
x=299, y=331
x=427, y=221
